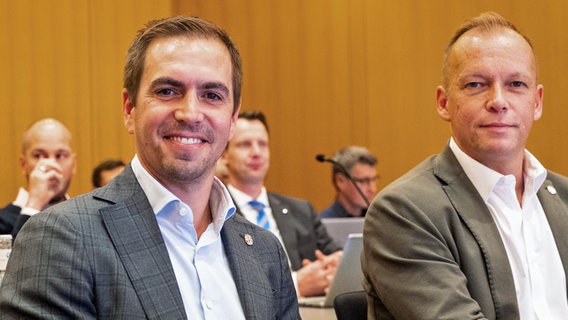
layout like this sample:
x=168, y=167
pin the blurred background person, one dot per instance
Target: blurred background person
x=313, y=254
x=48, y=163
x=106, y=171
x=221, y=171
x=360, y=164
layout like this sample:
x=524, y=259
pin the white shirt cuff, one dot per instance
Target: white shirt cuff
x=29, y=211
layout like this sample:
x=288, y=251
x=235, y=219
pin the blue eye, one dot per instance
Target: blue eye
x=517, y=84
x=166, y=92
x=212, y=96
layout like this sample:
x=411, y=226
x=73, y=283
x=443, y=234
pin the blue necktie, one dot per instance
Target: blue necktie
x=261, y=219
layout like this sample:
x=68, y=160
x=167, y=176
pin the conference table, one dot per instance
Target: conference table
x=312, y=313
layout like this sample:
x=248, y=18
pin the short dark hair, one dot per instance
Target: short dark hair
x=105, y=166
x=179, y=26
x=255, y=115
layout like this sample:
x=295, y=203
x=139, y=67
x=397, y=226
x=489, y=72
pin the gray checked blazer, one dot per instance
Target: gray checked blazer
x=101, y=256
x=433, y=251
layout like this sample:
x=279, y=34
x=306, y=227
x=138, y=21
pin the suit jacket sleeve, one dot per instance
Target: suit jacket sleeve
x=432, y=251
x=11, y=221
x=409, y=272
x=8, y=215
x=47, y=274
x=94, y=256
x=324, y=242
x=301, y=229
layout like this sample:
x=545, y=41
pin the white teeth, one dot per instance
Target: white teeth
x=187, y=140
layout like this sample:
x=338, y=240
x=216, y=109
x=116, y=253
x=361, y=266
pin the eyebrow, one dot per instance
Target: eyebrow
x=215, y=85
x=166, y=80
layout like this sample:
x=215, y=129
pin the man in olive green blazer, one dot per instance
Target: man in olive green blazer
x=478, y=231
x=455, y=259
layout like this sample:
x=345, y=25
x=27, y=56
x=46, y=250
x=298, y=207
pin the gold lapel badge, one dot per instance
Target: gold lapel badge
x=248, y=239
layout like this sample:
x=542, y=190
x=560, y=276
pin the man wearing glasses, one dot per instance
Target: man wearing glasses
x=361, y=166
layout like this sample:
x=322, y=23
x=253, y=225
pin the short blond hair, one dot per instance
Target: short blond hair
x=486, y=21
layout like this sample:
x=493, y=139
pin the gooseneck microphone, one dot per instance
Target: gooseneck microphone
x=322, y=158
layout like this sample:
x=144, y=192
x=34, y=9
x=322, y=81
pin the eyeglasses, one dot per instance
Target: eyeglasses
x=366, y=180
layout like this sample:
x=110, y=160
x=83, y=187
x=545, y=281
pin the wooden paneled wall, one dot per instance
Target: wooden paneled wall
x=332, y=73
x=328, y=73
x=64, y=59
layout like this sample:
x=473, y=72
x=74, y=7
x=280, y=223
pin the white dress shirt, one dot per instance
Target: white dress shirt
x=22, y=200
x=538, y=272
x=200, y=265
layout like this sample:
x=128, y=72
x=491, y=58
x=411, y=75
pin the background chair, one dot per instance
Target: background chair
x=351, y=306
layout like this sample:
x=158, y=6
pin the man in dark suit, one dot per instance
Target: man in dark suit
x=161, y=240
x=48, y=164
x=312, y=252
x=478, y=231
x=361, y=166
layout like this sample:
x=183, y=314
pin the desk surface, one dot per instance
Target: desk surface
x=308, y=313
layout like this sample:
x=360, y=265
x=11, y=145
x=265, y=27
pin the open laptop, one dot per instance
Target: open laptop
x=347, y=278
x=340, y=228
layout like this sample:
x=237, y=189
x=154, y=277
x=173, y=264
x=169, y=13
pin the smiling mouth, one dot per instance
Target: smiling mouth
x=186, y=140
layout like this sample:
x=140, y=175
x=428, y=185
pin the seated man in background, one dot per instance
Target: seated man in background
x=106, y=171
x=221, y=171
x=48, y=164
x=360, y=164
x=312, y=253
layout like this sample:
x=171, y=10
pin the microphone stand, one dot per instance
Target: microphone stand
x=322, y=158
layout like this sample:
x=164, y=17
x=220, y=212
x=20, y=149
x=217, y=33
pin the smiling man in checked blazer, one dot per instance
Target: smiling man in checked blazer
x=162, y=240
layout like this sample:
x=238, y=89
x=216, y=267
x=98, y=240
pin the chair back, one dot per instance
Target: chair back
x=351, y=306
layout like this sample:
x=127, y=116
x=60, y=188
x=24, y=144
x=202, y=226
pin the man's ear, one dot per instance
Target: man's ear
x=340, y=178
x=128, y=111
x=538, y=103
x=234, y=118
x=22, y=163
x=442, y=100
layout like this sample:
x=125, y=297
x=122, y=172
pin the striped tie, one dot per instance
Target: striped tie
x=261, y=219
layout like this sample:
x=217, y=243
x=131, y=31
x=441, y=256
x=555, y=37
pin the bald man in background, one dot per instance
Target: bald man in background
x=48, y=163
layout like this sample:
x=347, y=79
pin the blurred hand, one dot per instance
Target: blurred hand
x=45, y=182
x=315, y=277
x=329, y=261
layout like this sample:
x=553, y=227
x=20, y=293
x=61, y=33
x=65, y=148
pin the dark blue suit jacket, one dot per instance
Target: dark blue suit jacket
x=11, y=221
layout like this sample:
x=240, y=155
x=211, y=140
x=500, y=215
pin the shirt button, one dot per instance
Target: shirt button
x=209, y=305
x=182, y=212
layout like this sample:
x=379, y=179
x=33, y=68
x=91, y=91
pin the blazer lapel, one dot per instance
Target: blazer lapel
x=239, y=240
x=476, y=216
x=134, y=231
x=557, y=216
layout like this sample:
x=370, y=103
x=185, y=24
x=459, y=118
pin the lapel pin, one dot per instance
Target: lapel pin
x=551, y=189
x=248, y=239
x=285, y=210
